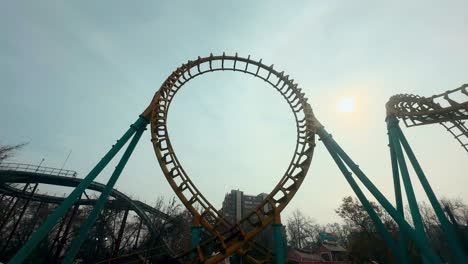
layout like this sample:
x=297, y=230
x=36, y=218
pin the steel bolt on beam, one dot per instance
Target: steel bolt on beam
x=60, y=211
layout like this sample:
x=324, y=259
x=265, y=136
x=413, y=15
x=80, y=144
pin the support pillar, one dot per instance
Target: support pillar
x=454, y=242
x=392, y=124
x=195, y=234
x=415, y=214
x=398, y=198
x=88, y=224
x=278, y=237
x=61, y=210
x=340, y=156
x=329, y=144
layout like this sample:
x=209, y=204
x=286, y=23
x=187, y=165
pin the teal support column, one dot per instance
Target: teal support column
x=398, y=197
x=279, y=243
x=452, y=238
x=195, y=238
x=61, y=210
x=88, y=224
x=400, y=158
x=333, y=147
x=365, y=202
x=195, y=235
x=413, y=204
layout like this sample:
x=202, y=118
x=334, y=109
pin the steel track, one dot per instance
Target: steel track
x=415, y=110
x=227, y=237
x=120, y=201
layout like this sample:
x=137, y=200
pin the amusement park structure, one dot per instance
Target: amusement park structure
x=224, y=238
x=30, y=177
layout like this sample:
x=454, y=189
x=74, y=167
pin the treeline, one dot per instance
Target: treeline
x=357, y=232
x=108, y=238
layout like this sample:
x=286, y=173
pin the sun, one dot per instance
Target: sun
x=345, y=105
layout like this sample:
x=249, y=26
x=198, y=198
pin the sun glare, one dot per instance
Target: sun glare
x=345, y=105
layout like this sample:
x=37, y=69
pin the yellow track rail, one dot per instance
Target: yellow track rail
x=228, y=238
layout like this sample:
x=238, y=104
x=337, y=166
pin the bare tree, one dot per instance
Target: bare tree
x=354, y=214
x=458, y=208
x=174, y=228
x=342, y=232
x=364, y=242
x=8, y=151
x=302, y=230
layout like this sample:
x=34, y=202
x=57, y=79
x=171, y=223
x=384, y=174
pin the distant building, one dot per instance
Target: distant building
x=329, y=252
x=237, y=205
x=330, y=249
x=333, y=252
x=296, y=256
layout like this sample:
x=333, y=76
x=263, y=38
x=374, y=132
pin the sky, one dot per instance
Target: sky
x=75, y=75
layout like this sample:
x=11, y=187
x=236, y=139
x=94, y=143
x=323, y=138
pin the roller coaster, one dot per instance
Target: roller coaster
x=19, y=188
x=223, y=238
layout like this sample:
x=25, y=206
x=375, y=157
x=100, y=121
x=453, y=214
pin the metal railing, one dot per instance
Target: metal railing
x=11, y=166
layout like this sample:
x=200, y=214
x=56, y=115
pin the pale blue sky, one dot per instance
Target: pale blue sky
x=74, y=75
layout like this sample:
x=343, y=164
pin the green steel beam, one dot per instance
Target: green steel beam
x=195, y=239
x=452, y=238
x=398, y=197
x=61, y=210
x=421, y=242
x=279, y=244
x=365, y=202
x=88, y=224
x=411, y=197
x=413, y=204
